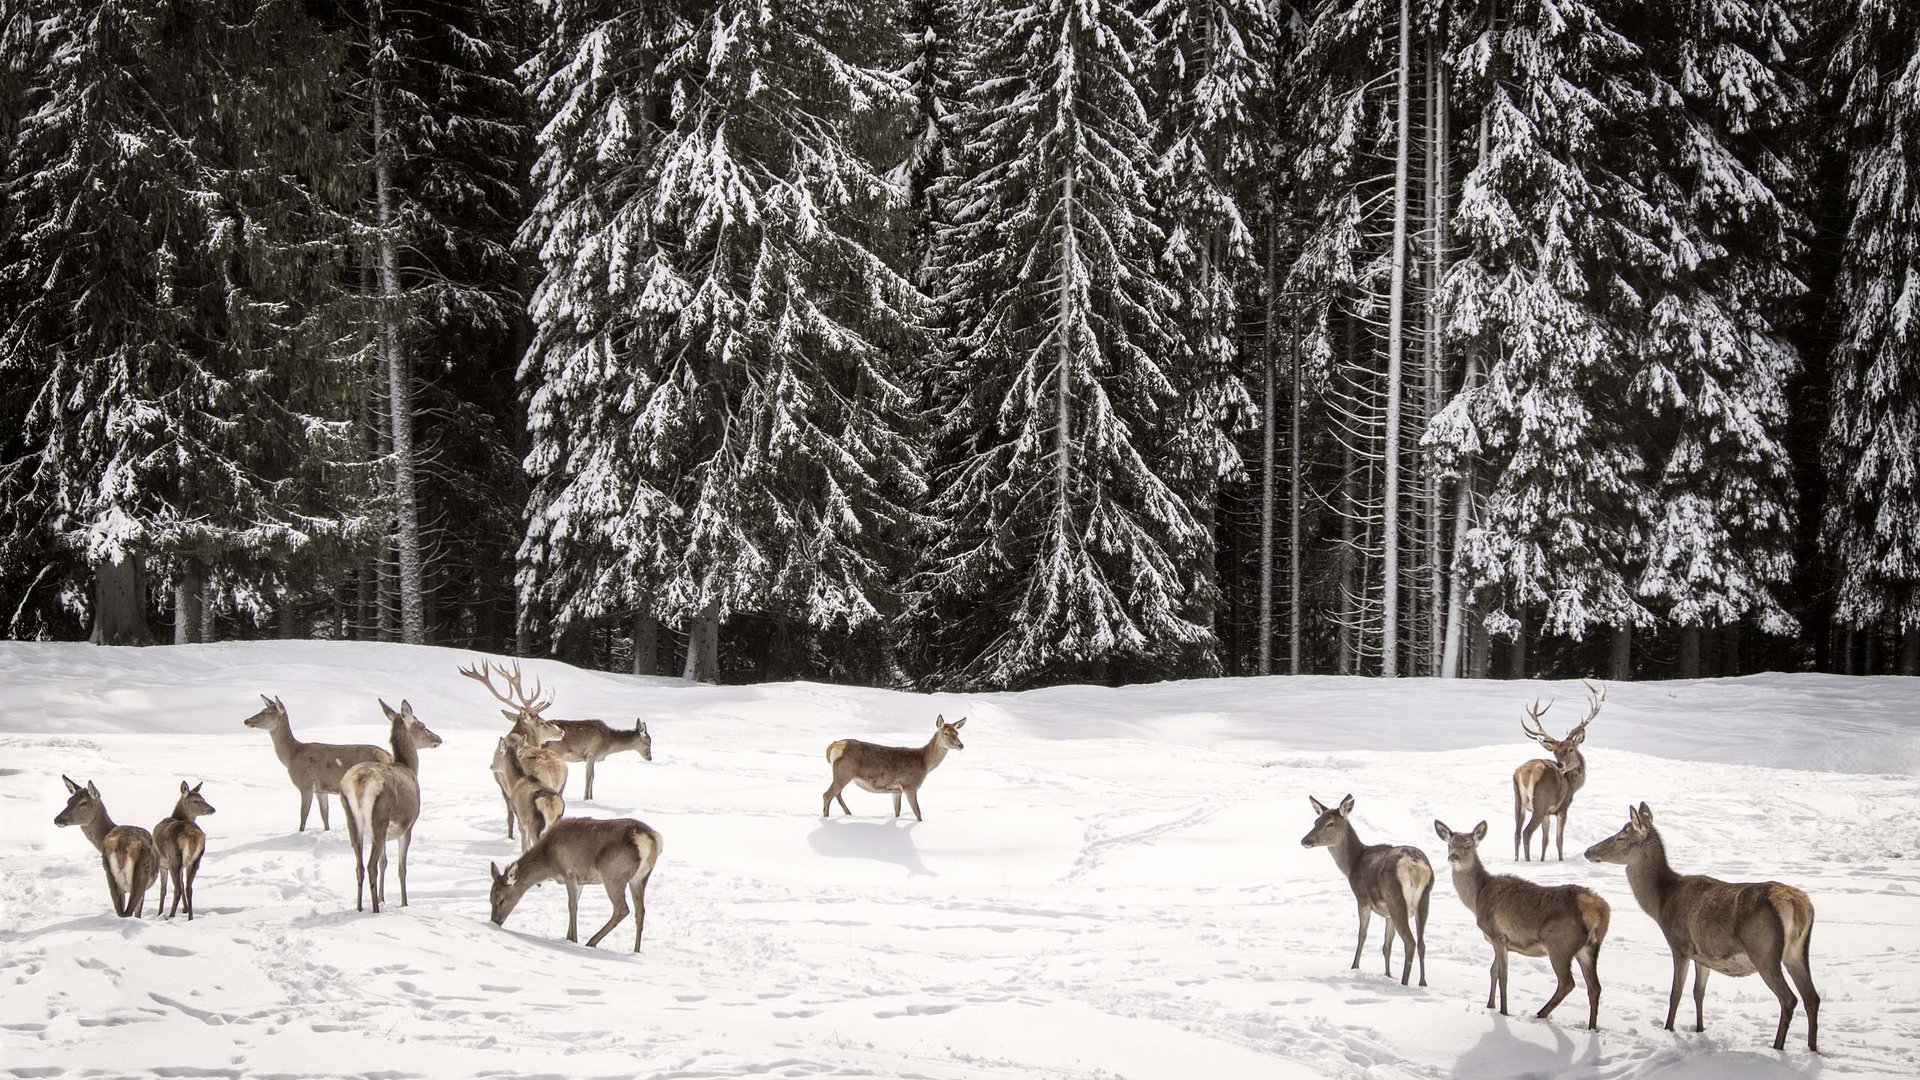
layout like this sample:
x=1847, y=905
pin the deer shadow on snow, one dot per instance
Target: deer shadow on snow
x=884, y=841
x=1501, y=1053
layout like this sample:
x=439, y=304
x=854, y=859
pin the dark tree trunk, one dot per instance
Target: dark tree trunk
x=1517, y=651
x=286, y=626
x=646, y=642
x=1910, y=651
x=186, y=606
x=1690, y=652
x=1730, y=642
x=1479, y=649
x=1620, y=654
x=120, y=604
x=703, y=647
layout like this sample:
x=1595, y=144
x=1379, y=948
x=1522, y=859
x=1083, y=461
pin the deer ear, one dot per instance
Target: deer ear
x=1318, y=806
x=511, y=715
x=278, y=704
x=1646, y=814
x=1479, y=832
x=72, y=788
x=388, y=709
x=196, y=787
x=183, y=787
x=406, y=707
x=93, y=791
x=960, y=723
x=495, y=867
x=271, y=702
x=1346, y=806
x=939, y=719
x=642, y=725
x=1441, y=830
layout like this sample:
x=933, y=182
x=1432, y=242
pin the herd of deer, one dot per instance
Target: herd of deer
x=1712, y=925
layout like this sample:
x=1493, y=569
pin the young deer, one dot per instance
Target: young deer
x=1563, y=923
x=889, y=770
x=536, y=808
x=531, y=732
x=1728, y=927
x=382, y=798
x=314, y=768
x=1546, y=788
x=593, y=741
x=619, y=853
x=126, y=851
x=1392, y=881
x=181, y=843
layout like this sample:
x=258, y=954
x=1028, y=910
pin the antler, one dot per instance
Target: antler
x=1534, y=712
x=519, y=698
x=1596, y=696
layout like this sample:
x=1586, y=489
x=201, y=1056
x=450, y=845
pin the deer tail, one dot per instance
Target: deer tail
x=647, y=844
x=1595, y=913
x=1796, y=917
x=121, y=865
x=359, y=792
x=836, y=750
x=1416, y=877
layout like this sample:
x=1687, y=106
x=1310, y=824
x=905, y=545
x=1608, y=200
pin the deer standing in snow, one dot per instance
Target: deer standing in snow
x=1396, y=882
x=181, y=843
x=1732, y=928
x=383, y=798
x=534, y=806
x=531, y=732
x=126, y=851
x=1545, y=788
x=314, y=768
x=619, y=853
x=593, y=741
x=1563, y=923
x=889, y=770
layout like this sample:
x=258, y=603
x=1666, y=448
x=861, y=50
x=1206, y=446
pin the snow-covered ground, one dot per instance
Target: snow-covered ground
x=1108, y=882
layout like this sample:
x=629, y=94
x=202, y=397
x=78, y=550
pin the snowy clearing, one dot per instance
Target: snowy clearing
x=1109, y=883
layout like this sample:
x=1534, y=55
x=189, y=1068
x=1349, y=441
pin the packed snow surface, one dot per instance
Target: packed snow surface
x=1109, y=882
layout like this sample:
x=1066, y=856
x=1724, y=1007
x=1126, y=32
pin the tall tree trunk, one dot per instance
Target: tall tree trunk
x=120, y=603
x=1266, y=466
x=286, y=624
x=1517, y=649
x=703, y=646
x=646, y=639
x=1479, y=650
x=1439, y=175
x=1690, y=652
x=186, y=604
x=1731, y=637
x=1294, y=482
x=1349, y=561
x=1620, y=654
x=413, y=627
x=1910, y=651
x=1396, y=347
x=209, y=611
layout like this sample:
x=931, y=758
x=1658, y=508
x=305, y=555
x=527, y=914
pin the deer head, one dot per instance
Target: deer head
x=948, y=735
x=506, y=891
x=192, y=802
x=83, y=805
x=421, y=736
x=269, y=718
x=1330, y=825
x=1463, y=848
x=1632, y=837
x=1533, y=729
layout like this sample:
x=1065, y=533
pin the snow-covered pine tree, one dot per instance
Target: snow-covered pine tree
x=1871, y=526
x=1064, y=534
x=728, y=309
x=935, y=50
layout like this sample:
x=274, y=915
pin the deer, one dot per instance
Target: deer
x=619, y=853
x=126, y=852
x=314, y=768
x=1563, y=923
x=1734, y=928
x=1545, y=788
x=531, y=732
x=1396, y=882
x=535, y=807
x=889, y=770
x=181, y=844
x=594, y=741
x=382, y=798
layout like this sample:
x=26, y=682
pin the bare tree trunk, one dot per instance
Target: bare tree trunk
x=1690, y=652
x=286, y=626
x=1517, y=648
x=646, y=639
x=120, y=603
x=1396, y=347
x=1293, y=506
x=1266, y=469
x=1620, y=654
x=1910, y=651
x=1731, y=637
x=1479, y=649
x=413, y=627
x=209, y=611
x=703, y=646
x=1439, y=170
x=1349, y=562
x=186, y=605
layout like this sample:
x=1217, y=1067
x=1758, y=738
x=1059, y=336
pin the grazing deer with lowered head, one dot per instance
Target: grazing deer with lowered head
x=1392, y=881
x=593, y=741
x=1563, y=923
x=531, y=732
x=619, y=853
x=383, y=798
x=1546, y=788
x=314, y=768
x=126, y=851
x=536, y=808
x=1728, y=927
x=889, y=770
x=181, y=843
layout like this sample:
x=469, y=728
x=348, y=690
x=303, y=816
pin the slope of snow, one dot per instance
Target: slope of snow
x=1109, y=883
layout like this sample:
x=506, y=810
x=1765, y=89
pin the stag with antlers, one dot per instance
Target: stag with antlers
x=531, y=732
x=1544, y=788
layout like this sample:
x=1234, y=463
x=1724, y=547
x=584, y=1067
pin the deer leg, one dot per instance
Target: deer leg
x=1563, y=975
x=1519, y=816
x=913, y=800
x=192, y=872
x=1386, y=948
x=1499, y=976
x=573, y=911
x=1420, y=931
x=589, y=791
x=1768, y=969
x=1406, y=948
x=523, y=847
x=1360, y=946
x=359, y=862
x=1699, y=996
x=306, y=806
x=1559, y=838
x=616, y=894
x=640, y=909
x=1526, y=838
x=164, y=913
x=896, y=804
x=845, y=810
x=326, y=823
x=180, y=894
x=406, y=838
x=377, y=866
x=1679, y=984
x=1589, y=957
x=833, y=792
x=1797, y=967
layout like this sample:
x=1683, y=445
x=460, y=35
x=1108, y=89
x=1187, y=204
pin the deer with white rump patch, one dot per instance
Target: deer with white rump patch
x=126, y=851
x=1734, y=928
x=181, y=843
x=619, y=853
x=1545, y=788
x=383, y=798
x=314, y=768
x=535, y=807
x=1563, y=923
x=1396, y=882
x=889, y=770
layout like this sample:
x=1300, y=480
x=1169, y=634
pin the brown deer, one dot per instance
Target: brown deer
x=619, y=853
x=1392, y=881
x=314, y=768
x=889, y=770
x=126, y=852
x=536, y=808
x=383, y=798
x=181, y=844
x=1734, y=928
x=531, y=732
x=593, y=741
x=1546, y=788
x=1563, y=923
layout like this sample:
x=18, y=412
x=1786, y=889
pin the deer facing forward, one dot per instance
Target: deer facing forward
x=1545, y=788
x=126, y=851
x=1728, y=927
x=1396, y=882
x=889, y=770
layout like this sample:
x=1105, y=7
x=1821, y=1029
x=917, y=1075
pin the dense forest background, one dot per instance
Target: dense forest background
x=992, y=344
